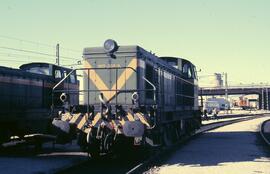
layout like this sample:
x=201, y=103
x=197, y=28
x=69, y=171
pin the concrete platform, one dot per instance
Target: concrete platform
x=234, y=149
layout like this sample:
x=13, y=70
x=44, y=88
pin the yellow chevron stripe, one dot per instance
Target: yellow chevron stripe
x=114, y=123
x=122, y=122
x=96, y=119
x=99, y=83
x=126, y=74
x=66, y=117
x=75, y=118
x=142, y=119
x=82, y=122
x=96, y=79
x=130, y=117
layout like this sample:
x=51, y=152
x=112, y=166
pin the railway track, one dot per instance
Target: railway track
x=265, y=131
x=143, y=163
x=158, y=158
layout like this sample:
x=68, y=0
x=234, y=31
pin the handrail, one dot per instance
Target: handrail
x=154, y=89
x=117, y=91
x=61, y=81
x=235, y=87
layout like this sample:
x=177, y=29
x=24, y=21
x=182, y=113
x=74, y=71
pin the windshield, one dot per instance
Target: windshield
x=39, y=70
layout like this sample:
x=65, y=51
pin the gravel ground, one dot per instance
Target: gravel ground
x=236, y=149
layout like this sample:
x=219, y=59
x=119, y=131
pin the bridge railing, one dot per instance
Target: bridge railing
x=236, y=86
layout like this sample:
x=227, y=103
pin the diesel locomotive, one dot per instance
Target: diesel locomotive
x=26, y=97
x=131, y=98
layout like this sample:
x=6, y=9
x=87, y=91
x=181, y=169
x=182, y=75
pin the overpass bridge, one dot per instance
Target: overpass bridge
x=262, y=91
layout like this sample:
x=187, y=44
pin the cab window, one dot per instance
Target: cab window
x=185, y=68
x=189, y=72
x=72, y=78
x=57, y=74
x=195, y=72
x=149, y=74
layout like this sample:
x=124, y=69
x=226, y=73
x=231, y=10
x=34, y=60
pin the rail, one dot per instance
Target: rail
x=262, y=132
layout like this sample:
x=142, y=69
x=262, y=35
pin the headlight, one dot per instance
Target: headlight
x=135, y=96
x=64, y=97
x=110, y=46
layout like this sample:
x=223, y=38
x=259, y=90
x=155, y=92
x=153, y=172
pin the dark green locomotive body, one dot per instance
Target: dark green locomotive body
x=26, y=98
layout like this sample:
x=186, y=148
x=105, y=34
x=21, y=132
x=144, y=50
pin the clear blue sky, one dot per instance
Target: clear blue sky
x=217, y=35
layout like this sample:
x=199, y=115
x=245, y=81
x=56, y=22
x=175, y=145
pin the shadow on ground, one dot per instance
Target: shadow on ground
x=214, y=148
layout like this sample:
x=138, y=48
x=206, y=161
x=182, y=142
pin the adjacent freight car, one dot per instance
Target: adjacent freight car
x=219, y=104
x=26, y=97
x=132, y=98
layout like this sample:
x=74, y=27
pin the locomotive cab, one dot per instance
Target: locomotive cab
x=56, y=74
x=185, y=66
x=54, y=71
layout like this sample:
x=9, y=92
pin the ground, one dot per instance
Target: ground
x=236, y=149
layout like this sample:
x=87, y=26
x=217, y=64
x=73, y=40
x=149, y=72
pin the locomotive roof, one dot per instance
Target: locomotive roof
x=132, y=50
x=40, y=64
x=100, y=50
x=21, y=73
x=174, y=58
x=125, y=49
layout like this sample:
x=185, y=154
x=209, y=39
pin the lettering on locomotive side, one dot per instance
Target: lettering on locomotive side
x=109, y=66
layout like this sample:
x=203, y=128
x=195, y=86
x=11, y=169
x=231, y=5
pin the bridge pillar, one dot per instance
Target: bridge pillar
x=267, y=99
x=260, y=101
x=264, y=99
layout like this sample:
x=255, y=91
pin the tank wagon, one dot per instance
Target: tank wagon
x=132, y=98
x=26, y=97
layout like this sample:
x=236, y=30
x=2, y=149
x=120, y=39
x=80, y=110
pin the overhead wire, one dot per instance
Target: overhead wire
x=38, y=43
x=37, y=52
x=23, y=56
x=28, y=53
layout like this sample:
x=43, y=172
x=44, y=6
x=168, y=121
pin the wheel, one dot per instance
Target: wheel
x=167, y=138
x=92, y=145
x=5, y=135
x=81, y=141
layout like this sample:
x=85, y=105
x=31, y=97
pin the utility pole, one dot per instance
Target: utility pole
x=57, y=55
x=226, y=87
x=226, y=90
